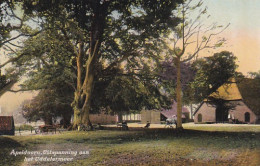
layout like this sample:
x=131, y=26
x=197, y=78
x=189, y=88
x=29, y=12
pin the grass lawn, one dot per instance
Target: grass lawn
x=197, y=145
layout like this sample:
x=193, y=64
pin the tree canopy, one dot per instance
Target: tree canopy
x=255, y=74
x=104, y=42
x=108, y=52
x=212, y=72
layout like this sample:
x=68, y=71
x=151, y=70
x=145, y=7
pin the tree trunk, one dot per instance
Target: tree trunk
x=120, y=117
x=84, y=90
x=87, y=89
x=76, y=109
x=76, y=105
x=81, y=113
x=48, y=120
x=178, y=95
x=66, y=120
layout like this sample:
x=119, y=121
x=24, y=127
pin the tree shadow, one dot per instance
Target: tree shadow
x=8, y=144
x=214, y=139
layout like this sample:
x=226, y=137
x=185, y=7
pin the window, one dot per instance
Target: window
x=199, y=118
x=247, y=117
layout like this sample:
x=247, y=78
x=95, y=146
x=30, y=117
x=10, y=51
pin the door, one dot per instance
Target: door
x=247, y=117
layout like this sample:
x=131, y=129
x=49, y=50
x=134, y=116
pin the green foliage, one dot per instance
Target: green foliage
x=41, y=107
x=128, y=32
x=212, y=72
x=255, y=75
x=4, y=28
x=249, y=89
x=49, y=104
x=168, y=79
x=48, y=66
x=23, y=127
x=3, y=81
x=124, y=93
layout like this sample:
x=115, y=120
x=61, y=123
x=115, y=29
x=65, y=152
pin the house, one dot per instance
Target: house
x=243, y=98
x=156, y=116
x=7, y=125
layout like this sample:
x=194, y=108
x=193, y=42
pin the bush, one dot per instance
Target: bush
x=23, y=127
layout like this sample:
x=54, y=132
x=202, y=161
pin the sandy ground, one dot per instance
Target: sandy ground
x=26, y=133
x=136, y=125
x=185, y=125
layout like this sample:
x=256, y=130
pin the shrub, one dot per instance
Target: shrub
x=23, y=127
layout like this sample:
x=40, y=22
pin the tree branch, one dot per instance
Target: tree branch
x=12, y=60
x=15, y=45
x=7, y=86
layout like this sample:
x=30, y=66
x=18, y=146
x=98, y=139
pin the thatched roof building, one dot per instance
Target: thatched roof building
x=243, y=94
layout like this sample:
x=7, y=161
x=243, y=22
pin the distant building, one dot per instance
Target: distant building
x=103, y=118
x=131, y=117
x=243, y=94
x=151, y=116
x=156, y=116
x=168, y=113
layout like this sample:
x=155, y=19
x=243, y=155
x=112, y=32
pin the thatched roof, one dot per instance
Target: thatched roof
x=228, y=91
x=245, y=89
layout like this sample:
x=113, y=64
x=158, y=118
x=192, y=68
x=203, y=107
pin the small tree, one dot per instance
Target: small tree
x=48, y=105
x=190, y=33
x=41, y=107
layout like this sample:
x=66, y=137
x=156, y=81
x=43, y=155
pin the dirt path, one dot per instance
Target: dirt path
x=187, y=125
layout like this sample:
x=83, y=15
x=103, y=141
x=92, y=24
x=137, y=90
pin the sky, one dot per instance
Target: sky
x=243, y=34
x=243, y=39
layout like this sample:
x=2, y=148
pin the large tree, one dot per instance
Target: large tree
x=48, y=62
x=212, y=72
x=106, y=34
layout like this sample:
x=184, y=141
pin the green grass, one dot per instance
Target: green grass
x=195, y=146
x=23, y=127
x=243, y=128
